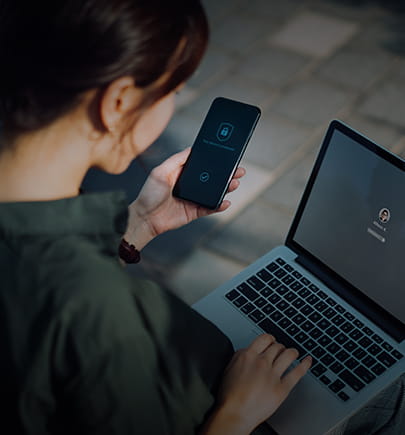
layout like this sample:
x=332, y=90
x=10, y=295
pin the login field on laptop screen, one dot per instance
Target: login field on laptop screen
x=354, y=221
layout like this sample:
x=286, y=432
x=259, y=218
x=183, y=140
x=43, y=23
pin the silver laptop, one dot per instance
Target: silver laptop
x=335, y=290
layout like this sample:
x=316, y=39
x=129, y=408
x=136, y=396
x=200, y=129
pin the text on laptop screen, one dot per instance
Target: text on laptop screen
x=354, y=221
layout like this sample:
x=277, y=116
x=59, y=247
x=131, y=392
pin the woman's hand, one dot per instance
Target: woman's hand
x=254, y=386
x=156, y=210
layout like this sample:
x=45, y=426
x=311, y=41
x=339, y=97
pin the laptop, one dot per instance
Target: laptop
x=335, y=290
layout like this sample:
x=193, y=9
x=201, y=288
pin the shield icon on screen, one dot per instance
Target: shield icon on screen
x=224, y=131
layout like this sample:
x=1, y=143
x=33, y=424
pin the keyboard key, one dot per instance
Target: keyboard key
x=248, y=291
x=298, y=303
x=307, y=310
x=239, y=301
x=305, y=281
x=329, y=313
x=396, y=354
x=232, y=295
x=347, y=327
x=318, y=370
x=349, y=316
x=298, y=286
x=280, y=273
x=338, y=320
x=290, y=312
x=274, y=298
x=374, y=349
x=342, y=355
x=364, y=374
x=282, y=305
x=282, y=289
x=284, y=322
x=298, y=319
x=378, y=369
x=256, y=316
x=307, y=326
x=358, y=323
x=274, y=283
x=331, y=302
x=376, y=338
x=369, y=361
x=260, y=302
x=333, y=348
x=314, y=288
x=323, y=324
x=310, y=344
x=343, y=396
x=328, y=359
x=336, y=367
x=367, y=331
x=312, y=300
x=332, y=331
x=290, y=296
x=387, y=346
x=280, y=261
x=315, y=317
x=337, y=386
x=288, y=279
x=248, y=308
x=359, y=353
x=356, y=334
x=321, y=306
x=315, y=333
x=340, y=309
x=304, y=292
x=272, y=267
x=264, y=275
x=276, y=316
x=268, y=309
x=318, y=352
x=288, y=268
x=351, y=363
x=350, y=346
x=324, y=340
x=341, y=338
x=293, y=330
x=301, y=337
x=324, y=379
x=322, y=294
x=255, y=282
x=386, y=359
x=296, y=274
x=351, y=380
x=365, y=342
x=266, y=292
x=268, y=326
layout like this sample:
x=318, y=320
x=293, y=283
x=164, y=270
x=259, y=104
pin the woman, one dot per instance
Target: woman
x=85, y=348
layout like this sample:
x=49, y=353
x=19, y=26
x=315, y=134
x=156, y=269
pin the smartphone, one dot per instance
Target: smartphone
x=216, y=152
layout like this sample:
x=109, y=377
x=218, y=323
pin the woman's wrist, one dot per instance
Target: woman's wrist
x=139, y=232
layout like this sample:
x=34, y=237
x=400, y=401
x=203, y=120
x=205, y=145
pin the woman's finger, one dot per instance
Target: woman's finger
x=261, y=343
x=284, y=360
x=239, y=173
x=233, y=185
x=293, y=376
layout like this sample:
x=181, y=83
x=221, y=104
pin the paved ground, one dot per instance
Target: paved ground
x=304, y=62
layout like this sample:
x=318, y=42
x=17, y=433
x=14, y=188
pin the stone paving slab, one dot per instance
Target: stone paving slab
x=315, y=34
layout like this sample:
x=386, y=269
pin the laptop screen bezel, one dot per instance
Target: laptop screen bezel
x=345, y=289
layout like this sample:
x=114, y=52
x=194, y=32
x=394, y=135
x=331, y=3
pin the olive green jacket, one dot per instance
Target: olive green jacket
x=85, y=347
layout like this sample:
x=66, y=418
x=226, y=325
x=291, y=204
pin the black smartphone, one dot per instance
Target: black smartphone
x=216, y=152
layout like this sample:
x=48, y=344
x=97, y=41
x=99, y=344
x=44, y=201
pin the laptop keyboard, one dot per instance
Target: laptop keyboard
x=347, y=355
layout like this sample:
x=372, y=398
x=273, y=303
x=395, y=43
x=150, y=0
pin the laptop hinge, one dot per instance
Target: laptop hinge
x=362, y=303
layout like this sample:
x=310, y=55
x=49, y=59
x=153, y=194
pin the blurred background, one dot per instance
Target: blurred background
x=304, y=62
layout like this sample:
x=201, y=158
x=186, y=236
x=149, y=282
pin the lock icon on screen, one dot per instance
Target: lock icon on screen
x=224, y=131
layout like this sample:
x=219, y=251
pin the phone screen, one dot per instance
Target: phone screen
x=216, y=152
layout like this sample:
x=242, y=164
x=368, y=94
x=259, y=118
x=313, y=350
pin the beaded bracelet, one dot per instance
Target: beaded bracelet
x=128, y=253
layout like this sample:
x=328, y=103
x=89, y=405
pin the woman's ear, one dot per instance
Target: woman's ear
x=118, y=99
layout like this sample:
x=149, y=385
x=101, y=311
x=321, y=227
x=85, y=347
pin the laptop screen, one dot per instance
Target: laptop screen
x=353, y=220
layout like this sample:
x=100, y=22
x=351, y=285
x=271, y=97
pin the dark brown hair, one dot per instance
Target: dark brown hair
x=52, y=52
